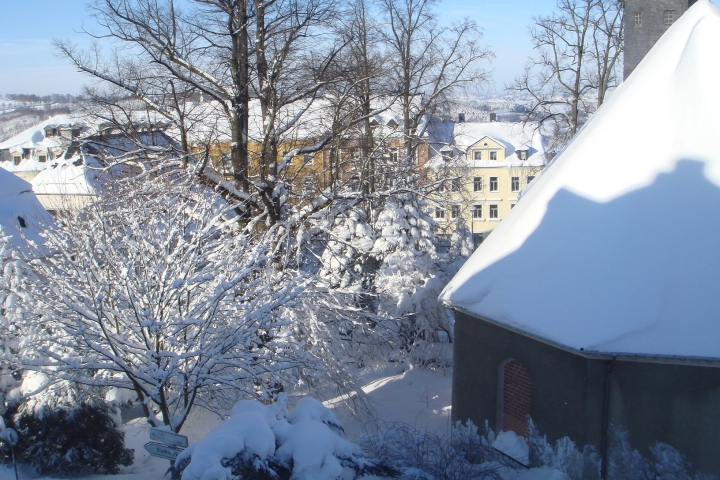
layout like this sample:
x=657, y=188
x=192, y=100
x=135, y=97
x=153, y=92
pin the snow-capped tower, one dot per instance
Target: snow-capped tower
x=645, y=22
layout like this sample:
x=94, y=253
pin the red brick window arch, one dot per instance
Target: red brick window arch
x=514, y=398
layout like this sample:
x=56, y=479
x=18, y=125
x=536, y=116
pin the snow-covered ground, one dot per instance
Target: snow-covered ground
x=418, y=397
x=421, y=398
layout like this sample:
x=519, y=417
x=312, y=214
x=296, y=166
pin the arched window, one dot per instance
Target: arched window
x=513, y=398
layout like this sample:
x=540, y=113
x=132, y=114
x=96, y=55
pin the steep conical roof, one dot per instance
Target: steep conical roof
x=616, y=247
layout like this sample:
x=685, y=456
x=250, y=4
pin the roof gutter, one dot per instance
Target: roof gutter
x=598, y=355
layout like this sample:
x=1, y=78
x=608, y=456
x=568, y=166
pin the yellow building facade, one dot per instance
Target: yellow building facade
x=479, y=172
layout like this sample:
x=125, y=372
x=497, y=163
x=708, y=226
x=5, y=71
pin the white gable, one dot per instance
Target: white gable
x=614, y=248
x=488, y=142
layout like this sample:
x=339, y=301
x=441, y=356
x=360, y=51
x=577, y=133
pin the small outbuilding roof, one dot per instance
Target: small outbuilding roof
x=73, y=176
x=614, y=248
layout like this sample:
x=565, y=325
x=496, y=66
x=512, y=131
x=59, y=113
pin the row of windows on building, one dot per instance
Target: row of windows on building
x=489, y=155
x=479, y=184
x=477, y=212
x=309, y=158
x=668, y=18
x=478, y=155
x=41, y=157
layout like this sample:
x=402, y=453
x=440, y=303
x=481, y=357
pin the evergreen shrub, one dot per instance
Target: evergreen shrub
x=66, y=440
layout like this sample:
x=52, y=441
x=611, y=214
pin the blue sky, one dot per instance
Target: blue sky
x=28, y=63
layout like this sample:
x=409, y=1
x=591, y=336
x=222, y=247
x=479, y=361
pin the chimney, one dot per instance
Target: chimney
x=461, y=118
x=493, y=117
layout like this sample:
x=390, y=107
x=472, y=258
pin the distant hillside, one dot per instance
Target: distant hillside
x=508, y=108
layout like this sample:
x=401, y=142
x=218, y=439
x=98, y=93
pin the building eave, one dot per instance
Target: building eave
x=598, y=355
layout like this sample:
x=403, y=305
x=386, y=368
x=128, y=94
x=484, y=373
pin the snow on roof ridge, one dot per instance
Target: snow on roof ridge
x=611, y=249
x=27, y=135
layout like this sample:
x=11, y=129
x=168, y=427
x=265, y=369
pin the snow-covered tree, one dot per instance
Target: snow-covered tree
x=14, y=281
x=161, y=289
x=346, y=260
x=389, y=259
x=409, y=275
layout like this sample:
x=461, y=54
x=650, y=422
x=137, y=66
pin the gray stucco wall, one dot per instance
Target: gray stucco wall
x=674, y=404
x=640, y=39
x=567, y=390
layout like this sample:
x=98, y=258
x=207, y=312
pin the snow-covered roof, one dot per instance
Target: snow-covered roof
x=71, y=176
x=20, y=210
x=512, y=136
x=316, y=120
x=34, y=137
x=614, y=248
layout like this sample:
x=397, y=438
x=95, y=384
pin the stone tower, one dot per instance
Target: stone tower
x=645, y=22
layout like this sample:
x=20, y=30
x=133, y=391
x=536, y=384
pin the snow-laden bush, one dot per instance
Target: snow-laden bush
x=8, y=441
x=563, y=456
x=66, y=440
x=422, y=455
x=664, y=462
x=624, y=462
x=269, y=442
x=387, y=259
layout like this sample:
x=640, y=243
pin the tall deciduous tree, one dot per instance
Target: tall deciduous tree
x=275, y=51
x=429, y=61
x=579, y=49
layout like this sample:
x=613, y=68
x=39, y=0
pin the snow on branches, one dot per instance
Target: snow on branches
x=158, y=288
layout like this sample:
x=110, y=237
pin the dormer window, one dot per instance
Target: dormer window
x=42, y=158
x=522, y=154
x=16, y=159
x=392, y=123
x=477, y=155
x=374, y=122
